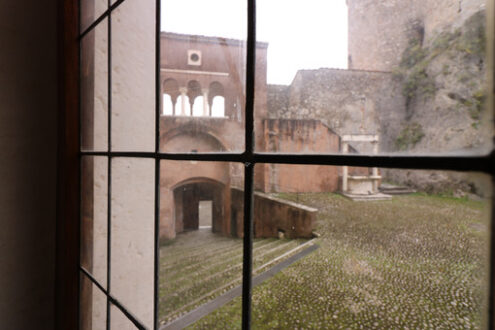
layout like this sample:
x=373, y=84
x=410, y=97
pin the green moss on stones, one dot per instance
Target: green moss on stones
x=477, y=104
x=414, y=67
x=473, y=39
x=413, y=71
x=410, y=135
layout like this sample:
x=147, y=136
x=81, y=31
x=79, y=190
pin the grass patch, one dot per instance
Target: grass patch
x=472, y=41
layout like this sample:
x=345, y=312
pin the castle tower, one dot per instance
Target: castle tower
x=380, y=30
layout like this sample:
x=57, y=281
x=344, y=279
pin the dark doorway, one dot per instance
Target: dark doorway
x=198, y=205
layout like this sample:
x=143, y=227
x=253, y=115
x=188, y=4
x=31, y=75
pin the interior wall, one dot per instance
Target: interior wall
x=28, y=146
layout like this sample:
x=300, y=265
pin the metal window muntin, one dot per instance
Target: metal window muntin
x=484, y=163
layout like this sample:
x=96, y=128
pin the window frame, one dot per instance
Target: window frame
x=69, y=158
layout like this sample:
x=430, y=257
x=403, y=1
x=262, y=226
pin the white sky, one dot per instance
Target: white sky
x=302, y=34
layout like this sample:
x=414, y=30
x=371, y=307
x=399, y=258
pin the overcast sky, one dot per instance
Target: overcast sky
x=302, y=34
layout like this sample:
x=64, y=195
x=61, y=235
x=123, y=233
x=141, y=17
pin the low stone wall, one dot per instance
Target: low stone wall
x=273, y=215
x=299, y=136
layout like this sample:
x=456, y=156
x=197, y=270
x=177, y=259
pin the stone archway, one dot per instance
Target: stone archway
x=187, y=198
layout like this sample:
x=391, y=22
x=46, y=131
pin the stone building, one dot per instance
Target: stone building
x=202, y=80
x=202, y=87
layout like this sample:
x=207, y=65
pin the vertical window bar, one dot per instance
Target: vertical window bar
x=250, y=77
x=109, y=159
x=157, y=165
x=249, y=167
x=490, y=33
x=491, y=276
x=247, y=264
x=491, y=286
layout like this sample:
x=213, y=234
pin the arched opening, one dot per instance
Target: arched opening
x=167, y=105
x=217, y=99
x=199, y=205
x=218, y=107
x=199, y=107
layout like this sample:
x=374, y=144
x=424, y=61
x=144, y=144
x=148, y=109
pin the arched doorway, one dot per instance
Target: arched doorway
x=189, y=197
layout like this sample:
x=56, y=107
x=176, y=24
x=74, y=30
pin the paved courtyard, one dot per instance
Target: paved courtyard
x=417, y=262
x=199, y=265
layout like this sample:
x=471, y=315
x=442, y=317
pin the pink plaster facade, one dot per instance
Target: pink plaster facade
x=196, y=69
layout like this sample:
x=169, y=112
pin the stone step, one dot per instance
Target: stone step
x=395, y=190
x=371, y=197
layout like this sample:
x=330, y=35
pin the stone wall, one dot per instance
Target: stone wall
x=347, y=101
x=379, y=30
x=299, y=136
x=436, y=50
x=456, y=184
x=278, y=101
x=444, y=81
x=273, y=215
x=417, y=78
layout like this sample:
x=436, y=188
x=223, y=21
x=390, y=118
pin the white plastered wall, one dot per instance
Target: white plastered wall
x=132, y=182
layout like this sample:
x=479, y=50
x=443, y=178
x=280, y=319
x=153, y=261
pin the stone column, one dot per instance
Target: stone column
x=174, y=105
x=206, y=112
x=183, y=92
x=375, y=169
x=345, y=169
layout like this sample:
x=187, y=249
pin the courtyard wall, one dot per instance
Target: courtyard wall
x=378, y=31
x=347, y=101
x=273, y=215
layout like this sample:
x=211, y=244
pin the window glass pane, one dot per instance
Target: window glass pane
x=133, y=76
x=94, y=217
x=90, y=11
x=202, y=75
x=93, y=306
x=201, y=246
x=119, y=321
x=94, y=89
x=411, y=253
x=132, y=236
x=401, y=77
